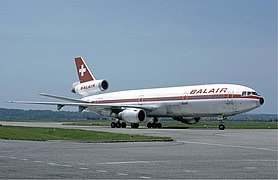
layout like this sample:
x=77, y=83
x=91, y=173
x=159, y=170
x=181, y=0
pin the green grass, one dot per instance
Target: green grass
x=45, y=134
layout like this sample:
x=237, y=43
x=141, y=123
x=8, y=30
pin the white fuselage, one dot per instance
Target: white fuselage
x=185, y=101
x=186, y=104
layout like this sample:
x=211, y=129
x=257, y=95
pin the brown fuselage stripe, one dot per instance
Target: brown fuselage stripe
x=175, y=98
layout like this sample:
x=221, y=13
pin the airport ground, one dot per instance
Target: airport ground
x=194, y=154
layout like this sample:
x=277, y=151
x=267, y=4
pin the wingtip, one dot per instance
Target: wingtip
x=42, y=94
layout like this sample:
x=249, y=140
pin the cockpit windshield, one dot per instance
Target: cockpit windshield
x=248, y=93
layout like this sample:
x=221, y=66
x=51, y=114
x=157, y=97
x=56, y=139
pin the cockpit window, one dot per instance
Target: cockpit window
x=248, y=93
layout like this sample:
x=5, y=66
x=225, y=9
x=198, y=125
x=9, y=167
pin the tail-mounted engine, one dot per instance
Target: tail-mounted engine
x=186, y=120
x=132, y=115
x=90, y=87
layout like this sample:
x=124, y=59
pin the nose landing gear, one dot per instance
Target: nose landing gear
x=222, y=126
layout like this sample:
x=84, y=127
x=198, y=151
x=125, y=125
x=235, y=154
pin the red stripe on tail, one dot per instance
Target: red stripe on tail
x=83, y=71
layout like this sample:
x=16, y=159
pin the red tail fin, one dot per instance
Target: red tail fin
x=84, y=74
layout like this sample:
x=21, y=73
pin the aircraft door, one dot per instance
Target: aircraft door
x=185, y=98
x=140, y=100
x=231, y=105
x=230, y=98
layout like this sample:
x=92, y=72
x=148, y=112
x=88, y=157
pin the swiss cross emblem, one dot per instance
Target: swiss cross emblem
x=82, y=70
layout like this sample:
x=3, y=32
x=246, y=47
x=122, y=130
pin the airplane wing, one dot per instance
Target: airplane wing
x=59, y=105
x=81, y=104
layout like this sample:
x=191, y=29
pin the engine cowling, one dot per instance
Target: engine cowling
x=132, y=115
x=186, y=120
x=90, y=87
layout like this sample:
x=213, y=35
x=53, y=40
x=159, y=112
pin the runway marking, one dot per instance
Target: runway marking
x=132, y=162
x=190, y=171
x=226, y=145
x=250, y=168
x=53, y=164
x=144, y=177
x=102, y=171
x=122, y=174
x=37, y=161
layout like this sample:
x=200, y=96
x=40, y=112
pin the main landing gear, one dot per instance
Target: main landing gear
x=118, y=124
x=134, y=125
x=154, y=124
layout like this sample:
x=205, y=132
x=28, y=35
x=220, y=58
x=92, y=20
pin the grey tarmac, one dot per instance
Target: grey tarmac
x=194, y=154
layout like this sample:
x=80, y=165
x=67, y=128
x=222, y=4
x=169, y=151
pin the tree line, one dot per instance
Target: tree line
x=19, y=114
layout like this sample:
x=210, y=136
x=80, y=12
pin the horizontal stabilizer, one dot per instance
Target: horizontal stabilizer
x=63, y=98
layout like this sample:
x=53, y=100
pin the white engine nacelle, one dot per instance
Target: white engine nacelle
x=132, y=115
x=187, y=120
x=90, y=87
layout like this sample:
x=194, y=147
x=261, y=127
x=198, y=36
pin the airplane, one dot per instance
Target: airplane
x=187, y=104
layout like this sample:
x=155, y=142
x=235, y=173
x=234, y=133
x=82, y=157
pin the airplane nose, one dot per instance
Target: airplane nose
x=261, y=101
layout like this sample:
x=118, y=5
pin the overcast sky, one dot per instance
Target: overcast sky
x=137, y=44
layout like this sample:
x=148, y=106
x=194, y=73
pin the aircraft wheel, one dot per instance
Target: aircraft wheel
x=134, y=125
x=159, y=125
x=154, y=125
x=118, y=125
x=113, y=124
x=123, y=125
x=149, y=125
x=221, y=127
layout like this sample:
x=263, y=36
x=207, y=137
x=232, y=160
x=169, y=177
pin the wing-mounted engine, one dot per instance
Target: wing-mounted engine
x=90, y=87
x=132, y=115
x=186, y=120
